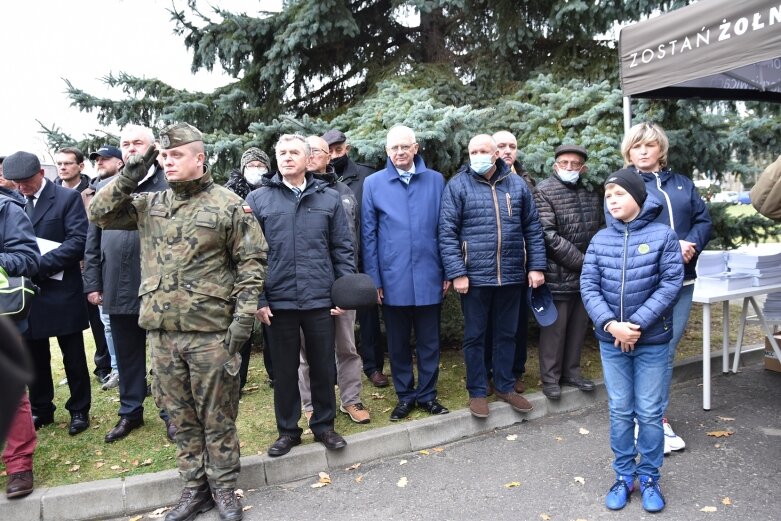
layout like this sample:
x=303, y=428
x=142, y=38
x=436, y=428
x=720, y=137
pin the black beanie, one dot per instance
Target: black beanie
x=630, y=181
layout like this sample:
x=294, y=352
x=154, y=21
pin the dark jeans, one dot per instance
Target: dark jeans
x=285, y=331
x=130, y=349
x=497, y=305
x=521, y=338
x=75, y=362
x=399, y=321
x=370, y=346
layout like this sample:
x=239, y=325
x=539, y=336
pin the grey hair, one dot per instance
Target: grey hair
x=146, y=131
x=286, y=138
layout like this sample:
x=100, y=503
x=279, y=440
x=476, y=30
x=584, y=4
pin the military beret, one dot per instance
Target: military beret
x=572, y=149
x=21, y=165
x=334, y=136
x=179, y=134
x=354, y=291
x=254, y=154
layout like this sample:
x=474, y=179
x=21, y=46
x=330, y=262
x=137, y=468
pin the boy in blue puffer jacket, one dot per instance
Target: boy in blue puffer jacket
x=632, y=273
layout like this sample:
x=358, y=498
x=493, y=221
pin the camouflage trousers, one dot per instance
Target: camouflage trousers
x=192, y=384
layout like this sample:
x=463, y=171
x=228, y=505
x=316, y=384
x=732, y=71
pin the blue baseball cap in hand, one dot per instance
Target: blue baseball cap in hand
x=541, y=303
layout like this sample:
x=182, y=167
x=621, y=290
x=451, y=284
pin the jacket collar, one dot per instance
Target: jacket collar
x=187, y=189
x=393, y=174
x=664, y=174
x=648, y=213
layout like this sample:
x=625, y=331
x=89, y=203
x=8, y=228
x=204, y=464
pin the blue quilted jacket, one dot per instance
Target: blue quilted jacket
x=490, y=230
x=633, y=273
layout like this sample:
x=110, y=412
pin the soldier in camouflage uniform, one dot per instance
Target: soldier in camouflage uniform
x=203, y=258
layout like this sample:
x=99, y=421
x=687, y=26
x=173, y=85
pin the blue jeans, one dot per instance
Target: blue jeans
x=681, y=313
x=497, y=306
x=109, y=339
x=636, y=390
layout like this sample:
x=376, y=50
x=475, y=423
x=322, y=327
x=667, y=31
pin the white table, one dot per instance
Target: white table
x=707, y=297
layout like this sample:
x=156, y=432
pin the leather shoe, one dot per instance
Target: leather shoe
x=228, y=504
x=79, y=423
x=331, y=439
x=170, y=430
x=401, y=411
x=123, y=427
x=283, y=445
x=552, y=391
x=433, y=407
x=579, y=382
x=194, y=501
x=378, y=379
x=42, y=421
x=20, y=484
x=520, y=386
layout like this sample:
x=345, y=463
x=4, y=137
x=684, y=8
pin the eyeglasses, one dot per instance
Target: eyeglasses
x=577, y=165
x=401, y=148
x=318, y=151
x=66, y=163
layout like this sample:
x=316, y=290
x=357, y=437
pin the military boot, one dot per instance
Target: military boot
x=194, y=501
x=228, y=505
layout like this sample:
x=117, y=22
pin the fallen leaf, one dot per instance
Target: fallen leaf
x=250, y=388
x=717, y=445
x=438, y=449
x=402, y=482
x=377, y=396
x=98, y=453
x=353, y=466
x=511, y=437
x=403, y=462
x=67, y=462
x=325, y=478
x=720, y=434
x=245, y=508
x=387, y=409
x=160, y=512
x=545, y=517
x=580, y=480
x=241, y=444
x=74, y=468
x=512, y=484
x=583, y=431
x=359, y=478
x=135, y=518
x=424, y=452
x=318, y=485
x=558, y=438
x=251, y=489
x=99, y=464
x=146, y=462
x=115, y=467
x=708, y=509
x=136, y=463
x=726, y=501
x=239, y=493
x=726, y=419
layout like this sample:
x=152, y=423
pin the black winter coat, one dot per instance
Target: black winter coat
x=570, y=217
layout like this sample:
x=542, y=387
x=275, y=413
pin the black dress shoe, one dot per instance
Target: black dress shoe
x=123, y=428
x=433, y=407
x=42, y=421
x=579, y=382
x=283, y=445
x=331, y=439
x=193, y=501
x=401, y=411
x=79, y=423
x=228, y=505
x=552, y=391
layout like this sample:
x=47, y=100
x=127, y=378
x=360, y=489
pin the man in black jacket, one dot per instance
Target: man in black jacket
x=112, y=276
x=353, y=174
x=309, y=246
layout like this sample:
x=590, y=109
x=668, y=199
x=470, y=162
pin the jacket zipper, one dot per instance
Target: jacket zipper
x=623, y=272
x=666, y=198
x=509, y=204
x=498, y=229
x=465, y=253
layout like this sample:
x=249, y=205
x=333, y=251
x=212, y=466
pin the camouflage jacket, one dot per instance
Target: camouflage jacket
x=203, y=254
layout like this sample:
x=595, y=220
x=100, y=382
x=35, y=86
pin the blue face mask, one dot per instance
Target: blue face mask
x=481, y=163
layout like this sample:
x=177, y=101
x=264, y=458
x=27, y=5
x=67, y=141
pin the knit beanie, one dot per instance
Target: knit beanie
x=254, y=154
x=630, y=181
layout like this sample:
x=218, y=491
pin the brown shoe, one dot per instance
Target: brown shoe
x=516, y=401
x=378, y=379
x=478, y=406
x=20, y=484
x=519, y=387
x=357, y=412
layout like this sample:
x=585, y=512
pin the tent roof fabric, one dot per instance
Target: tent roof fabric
x=713, y=49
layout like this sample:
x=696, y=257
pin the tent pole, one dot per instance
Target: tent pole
x=627, y=113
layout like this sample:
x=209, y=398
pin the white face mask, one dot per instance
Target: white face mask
x=569, y=176
x=254, y=175
x=481, y=163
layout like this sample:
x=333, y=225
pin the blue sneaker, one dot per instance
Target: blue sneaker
x=619, y=493
x=653, y=500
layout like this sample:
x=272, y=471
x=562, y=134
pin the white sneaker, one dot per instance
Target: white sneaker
x=672, y=442
x=111, y=381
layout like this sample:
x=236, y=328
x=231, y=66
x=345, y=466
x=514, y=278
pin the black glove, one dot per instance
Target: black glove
x=138, y=165
x=238, y=332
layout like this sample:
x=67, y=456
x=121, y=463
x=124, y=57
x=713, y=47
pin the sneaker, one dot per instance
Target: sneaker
x=653, y=500
x=357, y=412
x=111, y=381
x=478, y=406
x=308, y=416
x=516, y=401
x=619, y=494
x=672, y=442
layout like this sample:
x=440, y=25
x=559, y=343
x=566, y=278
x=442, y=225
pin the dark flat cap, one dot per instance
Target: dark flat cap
x=571, y=149
x=334, y=136
x=179, y=134
x=21, y=165
x=106, y=151
x=354, y=291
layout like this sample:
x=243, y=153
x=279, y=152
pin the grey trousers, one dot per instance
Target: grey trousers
x=348, y=364
x=562, y=341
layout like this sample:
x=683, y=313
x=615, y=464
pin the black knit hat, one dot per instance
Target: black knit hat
x=630, y=181
x=354, y=291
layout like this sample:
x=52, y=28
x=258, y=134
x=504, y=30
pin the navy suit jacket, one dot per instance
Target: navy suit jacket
x=60, y=308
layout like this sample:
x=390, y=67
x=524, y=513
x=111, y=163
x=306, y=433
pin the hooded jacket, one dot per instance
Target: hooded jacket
x=633, y=272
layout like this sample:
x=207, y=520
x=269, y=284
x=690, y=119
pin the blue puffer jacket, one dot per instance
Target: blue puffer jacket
x=633, y=273
x=309, y=243
x=683, y=210
x=483, y=226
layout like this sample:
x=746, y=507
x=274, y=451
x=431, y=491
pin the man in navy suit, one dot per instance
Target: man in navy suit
x=59, y=310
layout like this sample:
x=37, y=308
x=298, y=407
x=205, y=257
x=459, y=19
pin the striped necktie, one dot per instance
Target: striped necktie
x=297, y=191
x=405, y=176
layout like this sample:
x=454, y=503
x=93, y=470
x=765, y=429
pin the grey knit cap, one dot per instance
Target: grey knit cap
x=254, y=154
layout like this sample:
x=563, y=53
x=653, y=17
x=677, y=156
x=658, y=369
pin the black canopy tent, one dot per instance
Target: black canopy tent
x=713, y=49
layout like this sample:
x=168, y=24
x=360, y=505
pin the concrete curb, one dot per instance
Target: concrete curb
x=111, y=498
